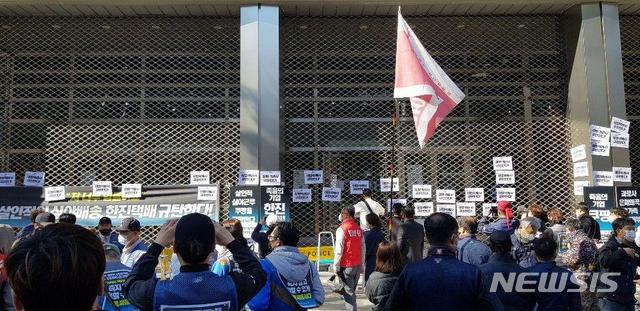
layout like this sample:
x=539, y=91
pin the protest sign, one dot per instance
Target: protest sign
x=131, y=191
x=33, y=179
x=357, y=186
x=578, y=153
x=102, y=188
x=474, y=194
x=331, y=194
x=270, y=178
x=249, y=178
x=506, y=194
x=505, y=177
x=385, y=184
x=502, y=163
x=423, y=209
x=313, y=177
x=421, y=191
x=465, y=209
x=446, y=196
x=199, y=177
x=301, y=195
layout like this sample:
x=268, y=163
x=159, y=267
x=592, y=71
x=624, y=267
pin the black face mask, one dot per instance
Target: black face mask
x=105, y=232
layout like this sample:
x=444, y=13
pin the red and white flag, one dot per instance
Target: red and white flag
x=432, y=93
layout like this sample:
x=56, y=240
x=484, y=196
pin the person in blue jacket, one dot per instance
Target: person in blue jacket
x=293, y=283
x=196, y=287
x=567, y=296
x=505, y=222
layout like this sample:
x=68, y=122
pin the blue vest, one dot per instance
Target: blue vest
x=197, y=291
x=114, y=277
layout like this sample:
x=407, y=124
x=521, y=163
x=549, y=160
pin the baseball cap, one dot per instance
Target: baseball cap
x=194, y=227
x=500, y=238
x=45, y=218
x=111, y=247
x=129, y=224
x=104, y=220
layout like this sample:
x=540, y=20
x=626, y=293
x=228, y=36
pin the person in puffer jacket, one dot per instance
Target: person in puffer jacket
x=388, y=266
x=293, y=283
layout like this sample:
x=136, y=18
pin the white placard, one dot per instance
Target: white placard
x=7, y=179
x=486, y=208
x=619, y=125
x=578, y=153
x=357, y=186
x=313, y=177
x=399, y=200
x=622, y=174
x=54, y=193
x=423, y=209
x=506, y=194
x=207, y=193
x=602, y=178
x=421, y=191
x=580, y=169
x=131, y=191
x=465, y=209
x=331, y=194
x=446, y=196
x=474, y=194
x=200, y=177
x=270, y=178
x=102, y=188
x=249, y=177
x=385, y=184
x=505, y=177
x=620, y=140
x=578, y=186
x=301, y=195
x=600, y=148
x=33, y=179
x=599, y=133
x=502, y=163
x=447, y=209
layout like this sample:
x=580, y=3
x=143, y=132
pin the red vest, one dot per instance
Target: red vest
x=353, y=239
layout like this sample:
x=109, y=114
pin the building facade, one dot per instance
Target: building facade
x=147, y=93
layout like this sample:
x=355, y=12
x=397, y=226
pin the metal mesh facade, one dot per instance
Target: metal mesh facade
x=338, y=96
x=630, y=36
x=131, y=100
x=146, y=100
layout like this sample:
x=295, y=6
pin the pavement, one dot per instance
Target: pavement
x=334, y=302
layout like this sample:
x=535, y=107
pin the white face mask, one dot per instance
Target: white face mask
x=340, y=217
x=630, y=235
x=122, y=240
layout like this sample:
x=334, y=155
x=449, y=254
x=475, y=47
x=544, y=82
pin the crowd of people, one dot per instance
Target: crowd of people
x=533, y=259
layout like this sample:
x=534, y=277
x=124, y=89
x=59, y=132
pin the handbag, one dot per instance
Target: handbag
x=336, y=284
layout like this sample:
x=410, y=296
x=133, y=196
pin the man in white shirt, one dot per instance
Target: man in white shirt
x=129, y=236
x=363, y=210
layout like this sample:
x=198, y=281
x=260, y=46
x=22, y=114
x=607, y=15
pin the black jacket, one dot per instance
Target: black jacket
x=140, y=286
x=372, y=238
x=262, y=238
x=379, y=288
x=612, y=258
x=411, y=240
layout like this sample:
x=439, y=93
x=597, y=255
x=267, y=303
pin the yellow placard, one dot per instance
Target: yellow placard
x=326, y=252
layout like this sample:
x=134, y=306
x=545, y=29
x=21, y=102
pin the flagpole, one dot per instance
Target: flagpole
x=393, y=167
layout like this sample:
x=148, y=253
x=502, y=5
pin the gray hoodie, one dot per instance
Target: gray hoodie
x=295, y=266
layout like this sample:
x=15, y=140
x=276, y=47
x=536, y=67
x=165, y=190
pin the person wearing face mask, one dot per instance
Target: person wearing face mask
x=619, y=255
x=129, y=236
x=106, y=234
x=349, y=252
x=441, y=281
x=581, y=258
x=522, y=240
x=293, y=283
